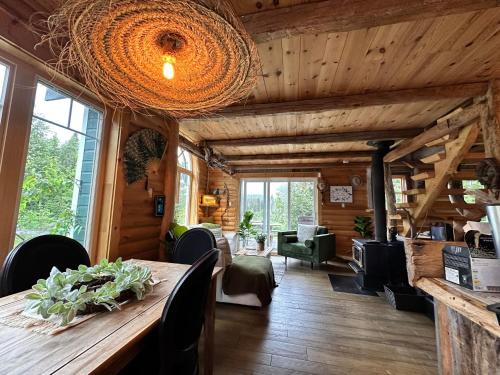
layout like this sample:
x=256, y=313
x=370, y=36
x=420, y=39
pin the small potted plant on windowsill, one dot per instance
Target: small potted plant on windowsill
x=261, y=240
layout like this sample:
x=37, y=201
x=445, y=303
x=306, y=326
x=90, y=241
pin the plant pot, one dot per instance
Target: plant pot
x=260, y=246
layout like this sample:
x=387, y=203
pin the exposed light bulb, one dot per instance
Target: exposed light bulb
x=168, y=67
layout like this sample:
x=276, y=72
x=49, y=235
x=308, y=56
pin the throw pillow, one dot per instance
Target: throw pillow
x=306, y=232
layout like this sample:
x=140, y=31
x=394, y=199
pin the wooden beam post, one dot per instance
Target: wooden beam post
x=490, y=122
x=13, y=149
x=114, y=184
x=170, y=185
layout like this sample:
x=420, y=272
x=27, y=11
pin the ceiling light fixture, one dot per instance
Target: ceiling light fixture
x=186, y=58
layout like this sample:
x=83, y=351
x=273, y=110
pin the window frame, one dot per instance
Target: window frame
x=91, y=230
x=402, y=178
x=188, y=172
x=266, y=192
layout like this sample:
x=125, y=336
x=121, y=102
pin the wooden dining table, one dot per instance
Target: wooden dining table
x=103, y=344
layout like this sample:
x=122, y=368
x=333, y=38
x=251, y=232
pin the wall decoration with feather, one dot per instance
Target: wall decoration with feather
x=143, y=153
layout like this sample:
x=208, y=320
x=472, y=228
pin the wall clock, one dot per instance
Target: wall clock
x=356, y=181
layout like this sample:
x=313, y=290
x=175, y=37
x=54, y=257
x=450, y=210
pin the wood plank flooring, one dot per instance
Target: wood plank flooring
x=309, y=329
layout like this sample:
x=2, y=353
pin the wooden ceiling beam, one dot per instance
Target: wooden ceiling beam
x=301, y=155
x=206, y=154
x=461, y=119
x=318, y=138
x=459, y=91
x=295, y=166
x=340, y=16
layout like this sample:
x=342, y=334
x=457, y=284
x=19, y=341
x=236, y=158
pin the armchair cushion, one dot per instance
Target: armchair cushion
x=306, y=232
x=299, y=248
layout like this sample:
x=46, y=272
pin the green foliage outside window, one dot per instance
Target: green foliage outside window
x=48, y=184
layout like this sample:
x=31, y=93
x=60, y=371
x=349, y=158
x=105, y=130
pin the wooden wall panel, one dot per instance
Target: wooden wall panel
x=202, y=176
x=338, y=219
x=140, y=229
x=227, y=212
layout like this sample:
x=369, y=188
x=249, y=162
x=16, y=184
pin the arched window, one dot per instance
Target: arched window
x=184, y=183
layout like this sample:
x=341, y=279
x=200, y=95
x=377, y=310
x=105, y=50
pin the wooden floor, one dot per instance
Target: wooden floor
x=309, y=329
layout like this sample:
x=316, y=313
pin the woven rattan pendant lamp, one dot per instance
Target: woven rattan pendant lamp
x=180, y=56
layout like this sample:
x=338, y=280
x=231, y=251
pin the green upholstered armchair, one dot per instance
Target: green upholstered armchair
x=319, y=249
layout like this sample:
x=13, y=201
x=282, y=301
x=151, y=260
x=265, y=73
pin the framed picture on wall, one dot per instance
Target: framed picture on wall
x=341, y=194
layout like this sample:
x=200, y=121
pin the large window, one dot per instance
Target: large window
x=184, y=180
x=4, y=75
x=58, y=185
x=279, y=204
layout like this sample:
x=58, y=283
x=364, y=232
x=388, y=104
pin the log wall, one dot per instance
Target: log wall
x=227, y=213
x=338, y=219
x=140, y=229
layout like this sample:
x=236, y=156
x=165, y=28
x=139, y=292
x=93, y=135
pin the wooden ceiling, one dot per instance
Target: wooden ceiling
x=429, y=52
x=423, y=51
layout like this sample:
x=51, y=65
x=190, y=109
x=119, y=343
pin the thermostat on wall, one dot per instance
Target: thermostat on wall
x=159, y=202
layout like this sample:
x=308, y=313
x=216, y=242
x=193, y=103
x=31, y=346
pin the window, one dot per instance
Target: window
x=471, y=184
x=58, y=185
x=184, y=180
x=279, y=204
x=399, y=184
x=4, y=75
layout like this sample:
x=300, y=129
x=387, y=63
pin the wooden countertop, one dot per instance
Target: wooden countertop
x=470, y=304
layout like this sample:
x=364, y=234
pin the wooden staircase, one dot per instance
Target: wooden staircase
x=430, y=202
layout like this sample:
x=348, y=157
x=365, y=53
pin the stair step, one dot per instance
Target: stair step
x=434, y=158
x=458, y=191
x=443, y=140
x=406, y=205
x=452, y=206
x=465, y=175
x=423, y=176
x=474, y=156
x=395, y=217
x=413, y=191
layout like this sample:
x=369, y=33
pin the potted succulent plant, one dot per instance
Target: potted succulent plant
x=261, y=240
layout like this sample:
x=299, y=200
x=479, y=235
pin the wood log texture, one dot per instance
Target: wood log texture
x=340, y=16
x=464, y=91
x=424, y=258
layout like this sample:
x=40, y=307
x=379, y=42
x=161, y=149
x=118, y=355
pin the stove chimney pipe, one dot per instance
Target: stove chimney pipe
x=378, y=188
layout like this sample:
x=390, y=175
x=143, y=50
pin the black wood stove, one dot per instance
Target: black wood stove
x=377, y=262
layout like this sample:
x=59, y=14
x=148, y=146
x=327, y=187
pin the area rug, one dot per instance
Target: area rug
x=279, y=268
x=347, y=284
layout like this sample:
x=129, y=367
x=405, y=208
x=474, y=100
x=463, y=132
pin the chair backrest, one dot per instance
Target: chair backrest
x=192, y=245
x=183, y=317
x=33, y=259
x=322, y=230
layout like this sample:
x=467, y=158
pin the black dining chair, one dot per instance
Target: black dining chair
x=173, y=348
x=192, y=245
x=33, y=259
